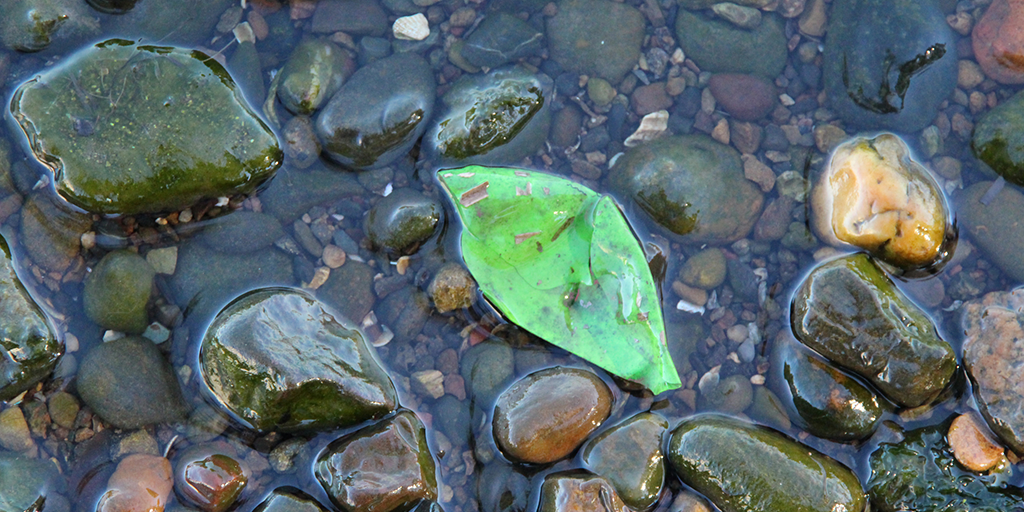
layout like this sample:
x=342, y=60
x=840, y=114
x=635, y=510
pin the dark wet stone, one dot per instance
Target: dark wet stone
x=501, y=38
x=210, y=478
x=596, y=37
x=185, y=22
x=742, y=467
x=130, y=152
x=405, y=312
x=278, y=359
x=546, y=415
x=117, y=290
x=381, y=468
x=732, y=395
x=240, y=232
x=355, y=17
x=487, y=369
x=850, y=312
x=921, y=473
x=402, y=220
x=994, y=227
x=452, y=417
x=313, y=73
x=32, y=25
x=293, y=192
x=569, y=491
x=26, y=484
x=718, y=46
x=379, y=113
x=497, y=118
x=130, y=384
x=30, y=350
x=112, y=6
x=629, y=456
x=301, y=147
x=745, y=97
x=998, y=141
x=289, y=499
x=831, y=404
x=692, y=186
x=51, y=232
x=502, y=489
x=868, y=43
x=452, y=288
x=349, y=290
x=992, y=356
x=245, y=67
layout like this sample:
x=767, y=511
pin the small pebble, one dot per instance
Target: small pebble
x=972, y=444
x=333, y=256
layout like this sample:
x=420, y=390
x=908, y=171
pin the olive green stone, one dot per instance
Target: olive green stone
x=133, y=129
x=29, y=350
x=600, y=91
x=732, y=395
x=314, y=72
x=629, y=456
x=401, y=220
x=26, y=483
x=63, y=408
x=32, y=25
x=742, y=467
x=278, y=359
x=718, y=46
x=849, y=311
x=998, y=141
x=704, y=270
x=117, y=290
x=596, y=37
x=452, y=288
x=995, y=227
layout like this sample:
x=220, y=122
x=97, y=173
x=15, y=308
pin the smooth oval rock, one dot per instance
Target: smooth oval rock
x=314, y=71
x=209, y=478
x=741, y=467
x=629, y=456
x=277, y=359
x=130, y=384
x=897, y=76
x=569, y=491
x=998, y=41
x=990, y=220
x=997, y=139
x=381, y=468
x=497, y=119
x=25, y=483
x=721, y=47
x=140, y=482
x=140, y=140
x=30, y=348
x=401, y=220
x=875, y=196
x=745, y=97
x=692, y=186
x=972, y=444
x=849, y=311
x=501, y=38
x=596, y=37
x=379, y=113
x=546, y=415
x=117, y=291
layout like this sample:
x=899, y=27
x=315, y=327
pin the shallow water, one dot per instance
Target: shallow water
x=699, y=342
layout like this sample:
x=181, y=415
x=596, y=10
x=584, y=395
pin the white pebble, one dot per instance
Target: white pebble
x=411, y=28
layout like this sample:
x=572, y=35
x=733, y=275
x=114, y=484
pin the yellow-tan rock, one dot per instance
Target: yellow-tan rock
x=874, y=196
x=973, y=446
x=141, y=483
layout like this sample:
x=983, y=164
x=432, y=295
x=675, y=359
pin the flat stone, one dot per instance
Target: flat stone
x=745, y=97
x=599, y=38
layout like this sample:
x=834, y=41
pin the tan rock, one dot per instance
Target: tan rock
x=972, y=445
x=758, y=172
x=140, y=483
x=827, y=137
x=874, y=196
x=813, y=20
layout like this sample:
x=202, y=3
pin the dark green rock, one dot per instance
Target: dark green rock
x=405, y=312
x=278, y=359
x=289, y=499
x=598, y=38
x=629, y=456
x=994, y=227
x=501, y=38
x=850, y=312
x=568, y=491
x=888, y=63
x=493, y=119
x=380, y=468
x=741, y=467
x=402, y=220
x=349, y=290
x=32, y=25
x=240, y=232
x=998, y=141
x=718, y=46
x=130, y=384
x=112, y=6
x=313, y=73
x=486, y=369
x=732, y=395
x=245, y=67
x=920, y=473
x=831, y=404
x=692, y=186
x=117, y=291
x=128, y=128
x=51, y=232
x=293, y=192
x=379, y=113
x=29, y=350
x=26, y=484
x=452, y=417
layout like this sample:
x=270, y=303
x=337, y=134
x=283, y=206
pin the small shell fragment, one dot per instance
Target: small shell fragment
x=411, y=28
x=651, y=127
x=474, y=195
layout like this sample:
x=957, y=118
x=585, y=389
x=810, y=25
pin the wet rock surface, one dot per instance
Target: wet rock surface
x=117, y=291
x=567, y=491
x=596, y=37
x=314, y=72
x=401, y=220
x=212, y=478
x=277, y=359
x=997, y=142
x=721, y=47
x=629, y=456
x=998, y=41
x=990, y=224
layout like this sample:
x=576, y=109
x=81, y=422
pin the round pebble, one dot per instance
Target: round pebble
x=972, y=445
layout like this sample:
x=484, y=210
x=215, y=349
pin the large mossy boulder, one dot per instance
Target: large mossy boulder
x=131, y=129
x=888, y=63
x=29, y=349
x=849, y=311
x=742, y=467
x=692, y=186
x=998, y=140
x=278, y=359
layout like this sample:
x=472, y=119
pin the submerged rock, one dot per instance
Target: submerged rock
x=277, y=359
x=117, y=291
x=570, y=491
x=452, y=288
x=888, y=63
x=140, y=482
x=313, y=73
x=30, y=348
x=501, y=38
x=32, y=25
x=599, y=38
x=998, y=140
x=290, y=499
x=141, y=139
x=874, y=196
x=718, y=46
x=998, y=41
x=210, y=478
x=381, y=468
x=692, y=186
x=992, y=221
x=742, y=467
x=51, y=231
x=629, y=456
x=402, y=220
x=25, y=483
x=850, y=312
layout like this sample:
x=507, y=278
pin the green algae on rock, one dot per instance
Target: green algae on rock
x=742, y=467
x=131, y=129
x=29, y=349
x=278, y=359
x=997, y=139
x=117, y=291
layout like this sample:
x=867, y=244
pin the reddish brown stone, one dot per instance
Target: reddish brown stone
x=745, y=97
x=213, y=483
x=650, y=98
x=999, y=41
